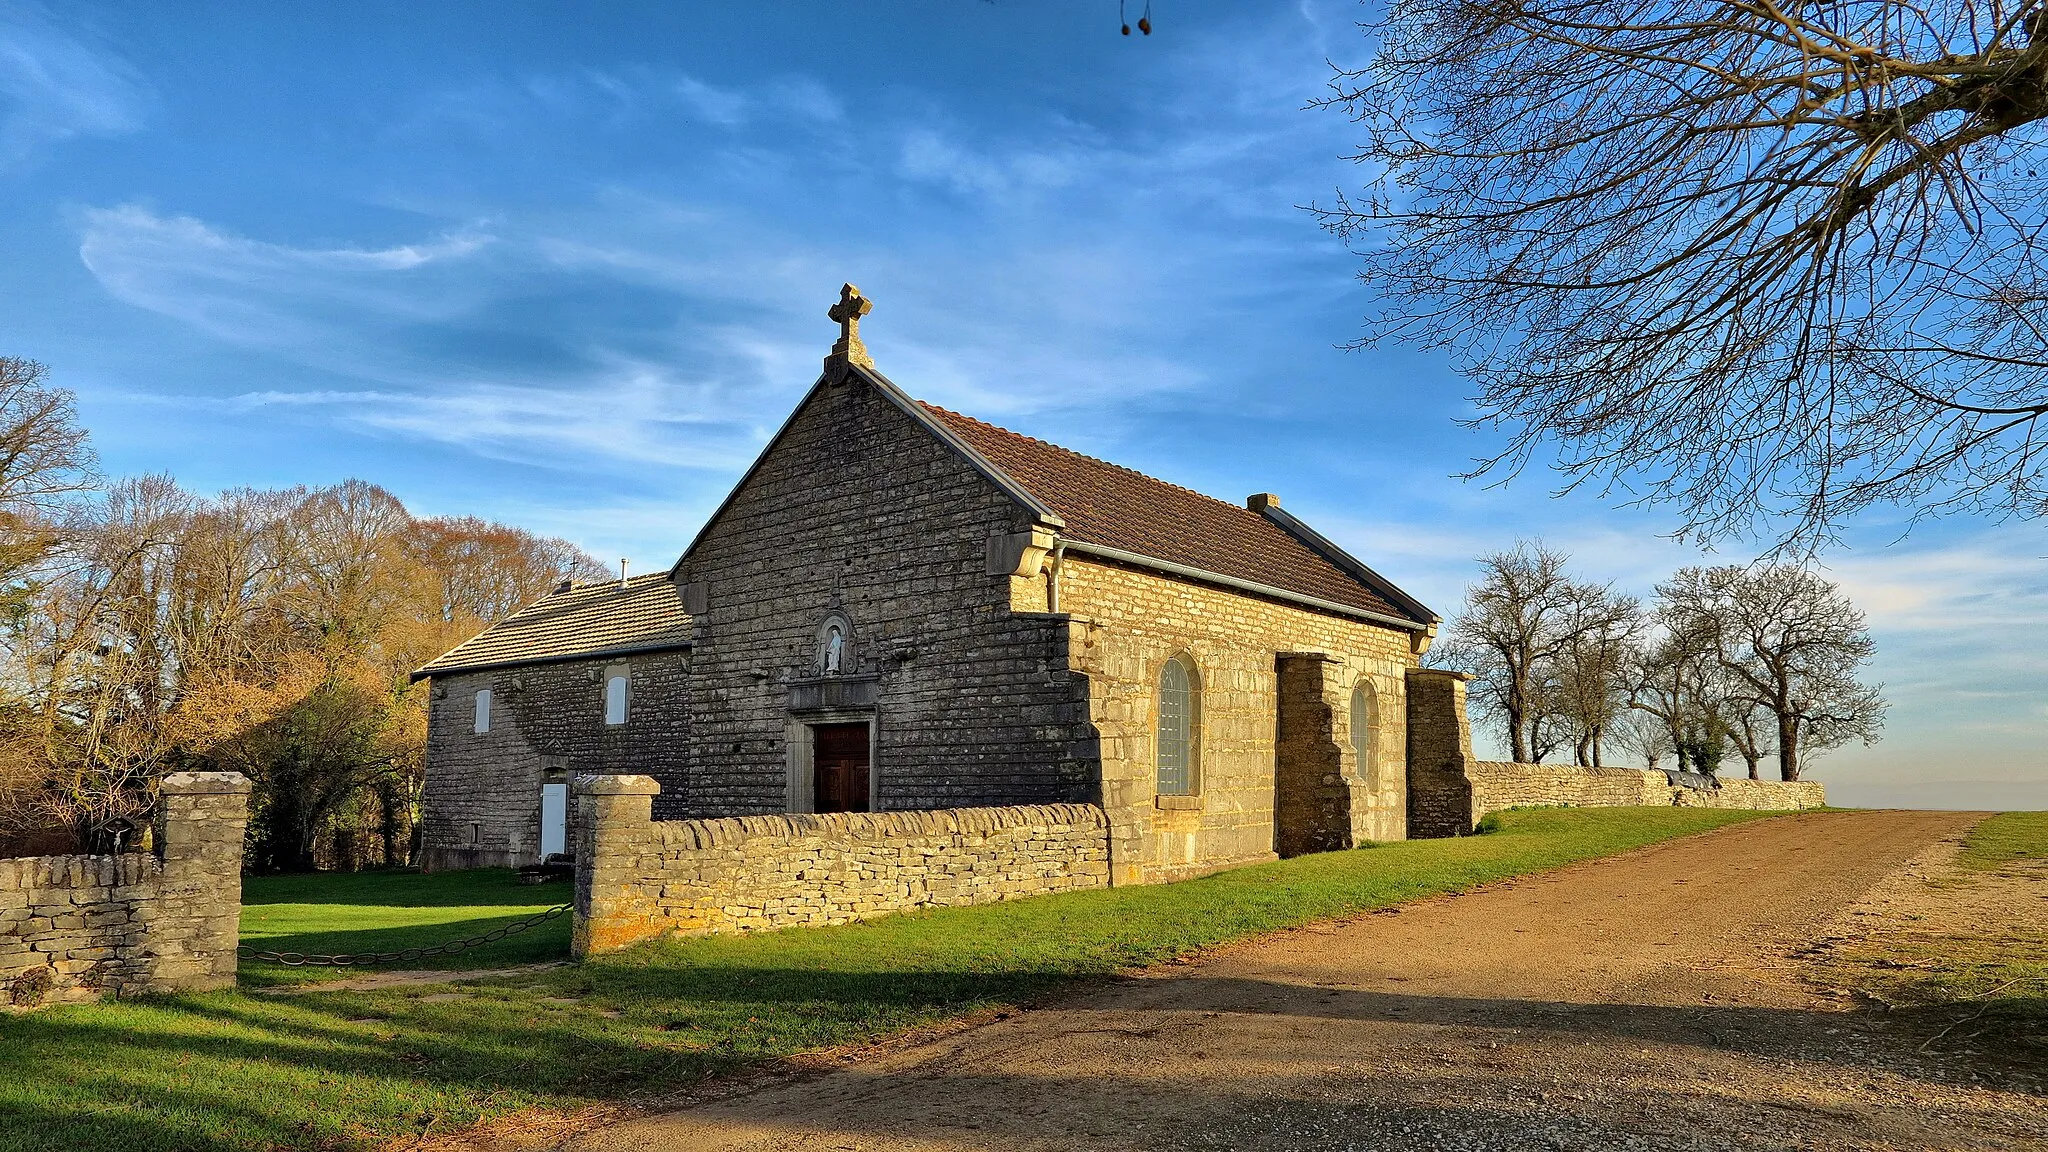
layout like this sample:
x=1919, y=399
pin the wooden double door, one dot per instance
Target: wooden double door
x=840, y=767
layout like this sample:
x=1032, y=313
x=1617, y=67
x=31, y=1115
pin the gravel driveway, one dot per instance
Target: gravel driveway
x=1647, y=1001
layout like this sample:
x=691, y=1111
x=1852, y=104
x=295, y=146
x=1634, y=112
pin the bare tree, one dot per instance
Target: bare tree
x=1792, y=645
x=1642, y=736
x=1677, y=681
x=1750, y=258
x=1591, y=665
x=1749, y=730
x=44, y=461
x=1520, y=618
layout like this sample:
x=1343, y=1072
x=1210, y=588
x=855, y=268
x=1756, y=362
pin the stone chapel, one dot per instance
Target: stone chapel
x=901, y=607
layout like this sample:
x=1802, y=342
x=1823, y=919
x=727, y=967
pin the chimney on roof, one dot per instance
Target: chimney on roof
x=622, y=571
x=568, y=584
x=1260, y=501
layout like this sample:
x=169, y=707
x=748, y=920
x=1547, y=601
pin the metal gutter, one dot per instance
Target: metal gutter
x=1104, y=552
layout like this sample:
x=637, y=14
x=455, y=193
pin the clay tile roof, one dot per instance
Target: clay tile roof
x=588, y=620
x=1115, y=507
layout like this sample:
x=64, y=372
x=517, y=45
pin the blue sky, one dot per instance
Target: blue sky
x=567, y=266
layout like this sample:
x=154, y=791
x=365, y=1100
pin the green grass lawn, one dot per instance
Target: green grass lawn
x=392, y=911
x=330, y=1068
x=2006, y=838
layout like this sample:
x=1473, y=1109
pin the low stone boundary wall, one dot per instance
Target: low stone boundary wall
x=1496, y=786
x=77, y=927
x=639, y=878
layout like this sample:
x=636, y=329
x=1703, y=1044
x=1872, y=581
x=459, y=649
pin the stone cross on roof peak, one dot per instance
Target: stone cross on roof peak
x=849, y=350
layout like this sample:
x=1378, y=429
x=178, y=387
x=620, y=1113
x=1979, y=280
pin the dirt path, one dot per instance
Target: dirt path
x=1649, y=1001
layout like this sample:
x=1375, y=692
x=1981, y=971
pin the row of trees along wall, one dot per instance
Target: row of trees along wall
x=147, y=629
x=1758, y=662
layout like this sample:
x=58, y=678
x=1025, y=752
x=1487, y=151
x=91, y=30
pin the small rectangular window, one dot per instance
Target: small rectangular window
x=483, y=711
x=615, y=700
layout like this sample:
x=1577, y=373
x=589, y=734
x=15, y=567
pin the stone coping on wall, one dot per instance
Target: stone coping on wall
x=638, y=878
x=691, y=835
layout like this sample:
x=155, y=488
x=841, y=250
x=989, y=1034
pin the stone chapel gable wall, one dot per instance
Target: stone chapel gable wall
x=859, y=512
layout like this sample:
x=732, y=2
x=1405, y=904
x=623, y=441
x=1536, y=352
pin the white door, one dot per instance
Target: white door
x=554, y=819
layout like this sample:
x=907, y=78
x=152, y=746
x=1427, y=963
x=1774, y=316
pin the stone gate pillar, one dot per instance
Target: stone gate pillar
x=614, y=826
x=196, y=923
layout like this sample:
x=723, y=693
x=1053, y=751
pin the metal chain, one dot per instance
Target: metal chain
x=359, y=959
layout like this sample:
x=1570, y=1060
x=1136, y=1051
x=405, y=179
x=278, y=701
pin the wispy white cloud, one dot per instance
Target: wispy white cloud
x=56, y=86
x=640, y=415
x=252, y=292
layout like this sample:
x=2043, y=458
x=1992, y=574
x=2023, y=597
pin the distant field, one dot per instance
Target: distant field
x=332, y=1068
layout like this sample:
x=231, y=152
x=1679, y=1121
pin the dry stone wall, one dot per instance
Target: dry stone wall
x=78, y=927
x=640, y=878
x=1497, y=786
x=1450, y=790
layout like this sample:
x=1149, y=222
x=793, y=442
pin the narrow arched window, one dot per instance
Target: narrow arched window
x=615, y=689
x=1365, y=732
x=482, y=723
x=1179, y=726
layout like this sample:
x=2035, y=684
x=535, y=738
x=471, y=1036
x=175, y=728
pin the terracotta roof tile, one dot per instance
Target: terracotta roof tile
x=1116, y=507
x=591, y=619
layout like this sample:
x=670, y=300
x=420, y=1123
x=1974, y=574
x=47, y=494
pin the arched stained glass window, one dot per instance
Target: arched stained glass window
x=1365, y=732
x=1179, y=726
x=615, y=692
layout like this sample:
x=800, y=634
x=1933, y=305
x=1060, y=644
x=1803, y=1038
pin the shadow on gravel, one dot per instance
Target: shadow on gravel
x=1855, y=1038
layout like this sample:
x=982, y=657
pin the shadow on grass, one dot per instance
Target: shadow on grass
x=403, y=888
x=546, y=941
x=223, y=1070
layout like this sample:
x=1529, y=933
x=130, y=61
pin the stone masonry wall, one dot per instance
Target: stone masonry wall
x=1450, y=790
x=481, y=800
x=859, y=511
x=77, y=927
x=1125, y=623
x=1496, y=786
x=1757, y=795
x=639, y=878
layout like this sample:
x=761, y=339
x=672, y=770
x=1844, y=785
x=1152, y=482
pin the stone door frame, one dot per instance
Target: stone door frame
x=801, y=779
